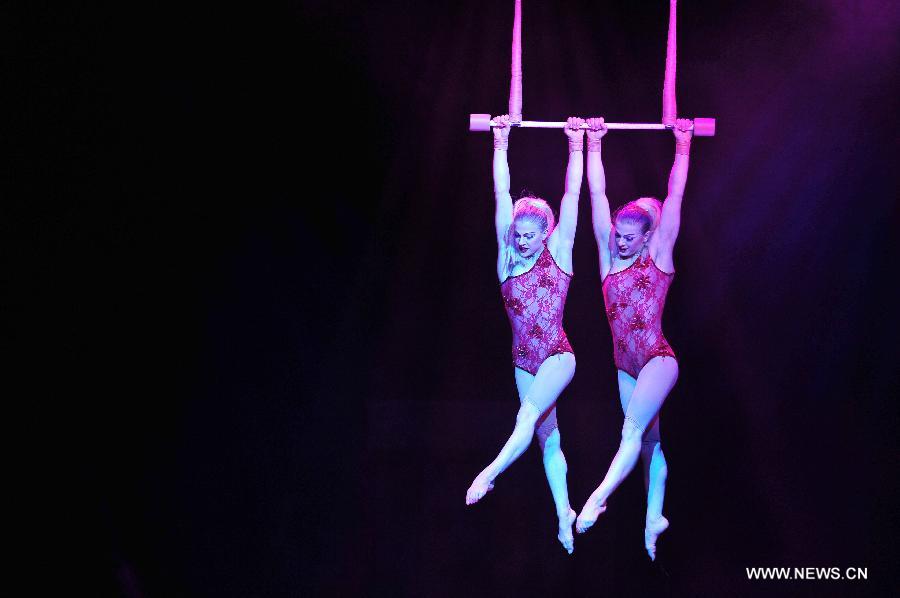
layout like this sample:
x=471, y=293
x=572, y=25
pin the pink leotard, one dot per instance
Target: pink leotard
x=534, y=302
x=635, y=298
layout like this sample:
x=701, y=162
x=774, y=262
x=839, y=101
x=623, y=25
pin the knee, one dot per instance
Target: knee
x=631, y=431
x=548, y=439
x=651, y=451
x=650, y=446
x=528, y=414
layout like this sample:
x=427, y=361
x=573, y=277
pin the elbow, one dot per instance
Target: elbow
x=598, y=198
x=601, y=228
x=573, y=183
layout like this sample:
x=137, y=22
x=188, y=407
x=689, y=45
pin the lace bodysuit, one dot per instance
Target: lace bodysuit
x=534, y=302
x=635, y=298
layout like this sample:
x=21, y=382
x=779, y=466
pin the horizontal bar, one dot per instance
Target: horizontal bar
x=537, y=124
x=702, y=127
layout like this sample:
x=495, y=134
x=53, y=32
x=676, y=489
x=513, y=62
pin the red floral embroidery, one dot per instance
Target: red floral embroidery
x=612, y=312
x=534, y=302
x=635, y=318
x=662, y=349
x=514, y=304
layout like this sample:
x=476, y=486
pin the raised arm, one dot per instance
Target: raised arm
x=670, y=220
x=568, y=209
x=504, y=209
x=597, y=185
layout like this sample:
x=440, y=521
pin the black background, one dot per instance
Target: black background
x=270, y=349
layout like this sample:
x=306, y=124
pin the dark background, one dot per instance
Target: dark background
x=270, y=345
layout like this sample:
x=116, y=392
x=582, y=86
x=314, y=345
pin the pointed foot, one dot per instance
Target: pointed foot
x=478, y=489
x=652, y=532
x=565, y=536
x=589, y=513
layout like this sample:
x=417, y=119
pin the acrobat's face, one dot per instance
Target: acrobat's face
x=528, y=238
x=629, y=237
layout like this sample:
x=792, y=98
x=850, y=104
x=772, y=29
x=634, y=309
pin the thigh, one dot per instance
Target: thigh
x=626, y=388
x=552, y=377
x=524, y=381
x=652, y=387
x=546, y=423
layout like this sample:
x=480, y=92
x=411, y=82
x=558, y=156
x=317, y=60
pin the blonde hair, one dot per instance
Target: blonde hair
x=526, y=209
x=645, y=210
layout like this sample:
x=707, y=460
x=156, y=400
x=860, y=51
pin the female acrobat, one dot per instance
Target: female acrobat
x=636, y=269
x=534, y=266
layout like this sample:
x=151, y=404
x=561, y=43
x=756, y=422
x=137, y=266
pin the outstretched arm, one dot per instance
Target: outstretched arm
x=504, y=209
x=597, y=185
x=568, y=209
x=670, y=220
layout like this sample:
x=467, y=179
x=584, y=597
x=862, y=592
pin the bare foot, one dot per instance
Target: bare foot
x=652, y=532
x=481, y=486
x=565, y=536
x=589, y=513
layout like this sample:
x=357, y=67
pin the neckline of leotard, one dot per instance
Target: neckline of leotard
x=553, y=259
x=649, y=257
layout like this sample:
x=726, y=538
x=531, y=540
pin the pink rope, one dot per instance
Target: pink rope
x=669, y=108
x=515, y=85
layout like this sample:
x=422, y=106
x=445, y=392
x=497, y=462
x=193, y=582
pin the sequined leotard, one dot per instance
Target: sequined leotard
x=635, y=298
x=534, y=302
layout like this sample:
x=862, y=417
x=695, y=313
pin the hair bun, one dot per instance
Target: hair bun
x=532, y=206
x=642, y=208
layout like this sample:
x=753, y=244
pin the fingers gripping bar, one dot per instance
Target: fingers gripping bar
x=703, y=127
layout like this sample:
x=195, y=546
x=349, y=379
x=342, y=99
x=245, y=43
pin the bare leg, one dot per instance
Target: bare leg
x=653, y=384
x=552, y=377
x=555, y=467
x=655, y=470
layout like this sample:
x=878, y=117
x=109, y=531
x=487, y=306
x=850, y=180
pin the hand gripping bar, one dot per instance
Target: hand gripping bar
x=703, y=127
